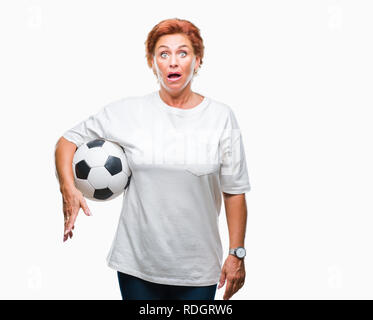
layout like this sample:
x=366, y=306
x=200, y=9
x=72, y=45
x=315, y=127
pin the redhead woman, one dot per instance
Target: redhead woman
x=186, y=154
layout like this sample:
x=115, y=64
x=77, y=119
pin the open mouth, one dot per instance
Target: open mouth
x=174, y=76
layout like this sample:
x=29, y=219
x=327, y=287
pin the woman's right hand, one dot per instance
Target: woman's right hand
x=72, y=200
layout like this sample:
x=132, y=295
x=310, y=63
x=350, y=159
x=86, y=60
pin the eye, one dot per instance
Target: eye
x=164, y=52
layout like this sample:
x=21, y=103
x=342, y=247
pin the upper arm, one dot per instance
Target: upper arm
x=233, y=173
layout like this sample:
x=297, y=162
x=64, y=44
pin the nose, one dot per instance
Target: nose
x=173, y=61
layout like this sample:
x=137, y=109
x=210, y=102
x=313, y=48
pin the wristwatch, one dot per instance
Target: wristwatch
x=239, y=252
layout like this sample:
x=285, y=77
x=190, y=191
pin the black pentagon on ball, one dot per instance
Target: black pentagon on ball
x=102, y=194
x=113, y=165
x=82, y=169
x=95, y=143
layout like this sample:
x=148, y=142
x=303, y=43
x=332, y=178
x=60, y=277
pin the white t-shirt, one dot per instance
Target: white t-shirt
x=181, y=161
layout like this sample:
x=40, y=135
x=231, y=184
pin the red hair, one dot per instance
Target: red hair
x=171, y=26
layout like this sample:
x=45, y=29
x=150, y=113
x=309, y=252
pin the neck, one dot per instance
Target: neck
x=179, y=99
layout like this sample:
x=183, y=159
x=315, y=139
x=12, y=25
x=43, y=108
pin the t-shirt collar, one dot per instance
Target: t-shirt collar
x=184, y=112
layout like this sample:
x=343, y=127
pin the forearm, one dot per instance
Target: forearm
x=236, y=213
x=64, y=154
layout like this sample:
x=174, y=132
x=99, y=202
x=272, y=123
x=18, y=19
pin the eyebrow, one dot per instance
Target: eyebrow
x=183, y=45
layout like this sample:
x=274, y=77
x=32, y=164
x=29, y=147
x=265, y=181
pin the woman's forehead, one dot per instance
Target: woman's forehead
x=173, y=41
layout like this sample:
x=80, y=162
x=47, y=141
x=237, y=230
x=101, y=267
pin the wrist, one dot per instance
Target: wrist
x=238, y=252
x=236, y=259
x=66, y=187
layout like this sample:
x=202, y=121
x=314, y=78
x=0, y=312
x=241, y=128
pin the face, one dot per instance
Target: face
x=174, y=53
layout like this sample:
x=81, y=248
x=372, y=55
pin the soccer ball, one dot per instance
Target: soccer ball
x=101, y=170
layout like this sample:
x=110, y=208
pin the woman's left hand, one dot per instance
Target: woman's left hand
x=234, y=272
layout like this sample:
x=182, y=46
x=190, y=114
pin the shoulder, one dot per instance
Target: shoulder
x=226, y=114
x=221, y=109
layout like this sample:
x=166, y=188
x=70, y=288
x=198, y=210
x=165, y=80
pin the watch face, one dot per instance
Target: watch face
x=240, y=252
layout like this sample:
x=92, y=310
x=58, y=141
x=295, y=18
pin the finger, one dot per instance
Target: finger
x=228, y=290
x=222, y=280
x=70, y=223
x=66, y=223
x=66, y=236
x=85, y=208
x=235, y=287
x=66, y=231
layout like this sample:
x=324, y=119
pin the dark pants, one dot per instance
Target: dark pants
x=133, y=288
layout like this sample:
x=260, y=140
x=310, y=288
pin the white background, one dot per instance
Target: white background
x=298, y=75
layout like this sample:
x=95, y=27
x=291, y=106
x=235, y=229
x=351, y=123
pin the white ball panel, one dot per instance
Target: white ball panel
x=118, y=182
x=99, y=177
x=80, y=153
x=85, y=187
x=113, y=149
x=96, y=157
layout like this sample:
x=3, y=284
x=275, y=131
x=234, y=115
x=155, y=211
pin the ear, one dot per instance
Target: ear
x=198, y=60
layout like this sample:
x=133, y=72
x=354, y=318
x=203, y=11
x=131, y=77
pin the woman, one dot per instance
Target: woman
x=184, y=150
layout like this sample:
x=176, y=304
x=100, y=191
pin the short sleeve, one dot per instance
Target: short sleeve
x=93, y=127
x=233, y=173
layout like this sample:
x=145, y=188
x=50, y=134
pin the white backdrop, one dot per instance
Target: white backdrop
x=298, y=75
